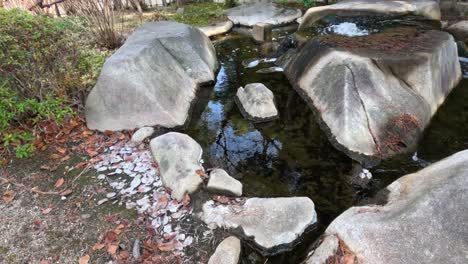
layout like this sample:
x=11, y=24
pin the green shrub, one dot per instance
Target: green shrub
x=47, y=66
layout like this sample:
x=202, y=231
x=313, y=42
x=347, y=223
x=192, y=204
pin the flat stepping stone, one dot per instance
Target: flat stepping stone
x=273, y=224
x=250, y=14
x=217, y=28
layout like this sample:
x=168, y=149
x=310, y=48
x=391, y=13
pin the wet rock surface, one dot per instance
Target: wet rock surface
x=217, y=29
x=372, y=98
x=178, y=157
x=228, y=252
x=263, y=12
x=272, y=224
x=425, y=212
x=220, y=181
x=425, y=8
x=152, y=79
x=256, y=102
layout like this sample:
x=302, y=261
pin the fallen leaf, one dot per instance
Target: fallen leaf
x=166, y=247
x=45, y=167
x=186, y=200
x=8, y=196
x=124, y=255
x=46, y=210
x=3, y=162
x=110, y=236
x=55, y=156
x=201, y=173
x=118, y=230
x=66, y=192
x=44, y=262
x=84, y=259
x=61, y=150
x=98, y=246
x=112, y=249
x=59, y=183
x=67, y=157
x=221, y=199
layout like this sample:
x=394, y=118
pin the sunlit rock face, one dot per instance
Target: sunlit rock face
x=423, y=221
x=152, y=79
x=374, y=95
x=262, y=12
x=425, y=8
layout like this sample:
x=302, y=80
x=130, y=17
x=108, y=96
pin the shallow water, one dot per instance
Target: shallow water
x=291, y=156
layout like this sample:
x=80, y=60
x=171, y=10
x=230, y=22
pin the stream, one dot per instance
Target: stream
x=291, y=156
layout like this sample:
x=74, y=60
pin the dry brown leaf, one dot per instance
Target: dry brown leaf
x=66, y=192
x=8, y=196
x=55, y=156
x=201, y=173
x=118, y=230
x=3, y=162
x=44, y=262
x=166, y=247
x=98, y=246
x=124, y=255
x=112, y=249
x=110, y=237
x=186, y=200
x=59, y=183
x=84, y=259
x=67, y=157
x=60, y=150
x=221, y=199
x=46, y=210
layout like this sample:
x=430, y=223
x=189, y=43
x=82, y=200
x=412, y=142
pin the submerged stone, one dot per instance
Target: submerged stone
x=256, y=102
x=262, y=12
x=426, y=8
x=423, y=221
x=271, y=223
x=152, y=79
x=227, y=252
x=178, y=157
x=374, y=95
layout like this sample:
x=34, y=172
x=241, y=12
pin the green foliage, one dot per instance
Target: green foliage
x=201, y=14
x=308, y=3
x=46, y=66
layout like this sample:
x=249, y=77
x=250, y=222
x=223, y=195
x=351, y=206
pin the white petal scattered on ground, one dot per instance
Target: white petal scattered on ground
x=135, y=177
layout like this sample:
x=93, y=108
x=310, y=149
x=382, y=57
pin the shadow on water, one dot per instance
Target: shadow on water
x=291, y=156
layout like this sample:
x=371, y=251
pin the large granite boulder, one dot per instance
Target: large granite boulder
x=459, y=30
x=256, y=102
x=262, y=12
x=425, y=220
x=273, y=224
x=152, y=79
x=374, y=95
x=178, y=157
x=426, y=8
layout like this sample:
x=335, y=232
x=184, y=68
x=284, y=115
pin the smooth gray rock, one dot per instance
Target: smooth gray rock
x=262, y=32
x=262, y=12
x=256, y=102
x=141, y=134
x=459, y=30
x=221, y=181
x=152, y=79
x=227, y=252
x=178, y=157
x=271, y=223
x=217, y=29
x=425, y=8
x=424, y=221
x=373, y=102
x=328, y=248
